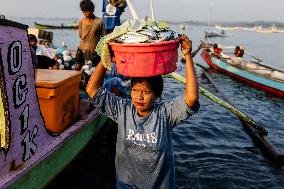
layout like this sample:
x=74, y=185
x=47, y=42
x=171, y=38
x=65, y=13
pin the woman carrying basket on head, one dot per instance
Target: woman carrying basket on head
x=144, y=149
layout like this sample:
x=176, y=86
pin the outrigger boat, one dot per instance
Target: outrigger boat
x=219, y=27
x=32, y=150
x=253, y=71
x=40, y=130
x=45, y=26
x=183, y=26
x=210, y=32
x=214, y=34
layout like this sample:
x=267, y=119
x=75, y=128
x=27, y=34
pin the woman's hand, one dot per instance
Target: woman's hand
x=111, y=53
x=186, y=44
x=113, y=60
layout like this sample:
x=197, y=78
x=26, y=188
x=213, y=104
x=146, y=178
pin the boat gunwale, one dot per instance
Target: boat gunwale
x=253, y=73
x=253, y=83
x=247, y=70
x=43, y=26
x=5, y=22
x=8, y=180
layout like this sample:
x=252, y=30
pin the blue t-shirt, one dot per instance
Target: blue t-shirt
x=144, y=149
x=111, y=19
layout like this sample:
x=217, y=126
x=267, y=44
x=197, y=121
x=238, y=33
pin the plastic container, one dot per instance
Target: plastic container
x=41, y=34
x=58, y=95
x=145, y=59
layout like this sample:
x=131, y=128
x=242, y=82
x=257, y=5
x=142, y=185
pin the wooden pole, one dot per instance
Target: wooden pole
x=257, y=133
x=152, y=11
x=222, y=103
x=132, y=10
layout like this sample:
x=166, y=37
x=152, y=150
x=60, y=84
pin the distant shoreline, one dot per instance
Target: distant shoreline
x=264, y=24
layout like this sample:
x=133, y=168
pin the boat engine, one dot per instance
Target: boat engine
x=217, y=49
x=239, y=51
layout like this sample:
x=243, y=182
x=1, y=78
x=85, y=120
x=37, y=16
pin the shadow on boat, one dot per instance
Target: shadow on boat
x=94, y=167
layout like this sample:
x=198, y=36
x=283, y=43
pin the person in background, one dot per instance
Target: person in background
x=112, y=10
x=114, y=82
x=45, y=57
x=90, y=32
x=144, y=149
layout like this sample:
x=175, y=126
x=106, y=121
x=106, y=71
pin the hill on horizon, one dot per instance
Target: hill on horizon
x=234, y=23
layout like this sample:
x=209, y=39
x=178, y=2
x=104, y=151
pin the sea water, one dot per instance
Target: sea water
x=211, y=148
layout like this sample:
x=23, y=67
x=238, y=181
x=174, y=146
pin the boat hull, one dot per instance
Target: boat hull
x=213, y=34
x=31, y=155
x=266, y=84
x=44, y=26
x=66, y=147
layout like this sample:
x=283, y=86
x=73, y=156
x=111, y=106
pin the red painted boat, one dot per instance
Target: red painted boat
x=256, y=74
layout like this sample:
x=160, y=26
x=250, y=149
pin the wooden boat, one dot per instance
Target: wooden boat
x=183, y=26
x=219, y=27
x=45, y=26
x=214, y=34
x=31, y=152
x=210, y=32
x=255, y=73
x=274, y=29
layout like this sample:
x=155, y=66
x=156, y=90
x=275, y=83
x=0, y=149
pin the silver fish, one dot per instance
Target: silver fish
x=166, y=35
x=149, y=33
x=146, y=35
x=132, y=37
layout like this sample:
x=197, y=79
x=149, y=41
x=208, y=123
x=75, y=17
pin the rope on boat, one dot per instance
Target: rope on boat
x=261, y=63
x=259, y=129
x=248, y=53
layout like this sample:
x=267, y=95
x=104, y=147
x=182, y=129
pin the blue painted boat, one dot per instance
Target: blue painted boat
x=256, y=74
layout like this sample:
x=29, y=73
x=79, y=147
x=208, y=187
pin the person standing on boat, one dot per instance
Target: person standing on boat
x=112, y=10
x=144, y=149
x=90, y=31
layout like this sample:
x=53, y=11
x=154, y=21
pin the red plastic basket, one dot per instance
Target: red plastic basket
x=145, y=59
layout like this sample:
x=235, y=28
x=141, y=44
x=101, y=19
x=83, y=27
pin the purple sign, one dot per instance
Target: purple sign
x=22, y=131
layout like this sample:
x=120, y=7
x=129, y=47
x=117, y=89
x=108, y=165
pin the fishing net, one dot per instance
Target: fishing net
x=103, y=47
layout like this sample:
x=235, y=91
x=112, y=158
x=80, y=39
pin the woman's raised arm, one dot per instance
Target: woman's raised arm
x=191, y=87
x=96, y=80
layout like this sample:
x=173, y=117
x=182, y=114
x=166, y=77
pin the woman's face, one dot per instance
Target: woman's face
x=88, y=14
x=143, y=98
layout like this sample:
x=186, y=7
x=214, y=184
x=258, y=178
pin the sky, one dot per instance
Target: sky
x=169, y=10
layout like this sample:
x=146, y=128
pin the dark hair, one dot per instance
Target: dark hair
x=86, y=5
x=32, y=37
x=156, y=83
